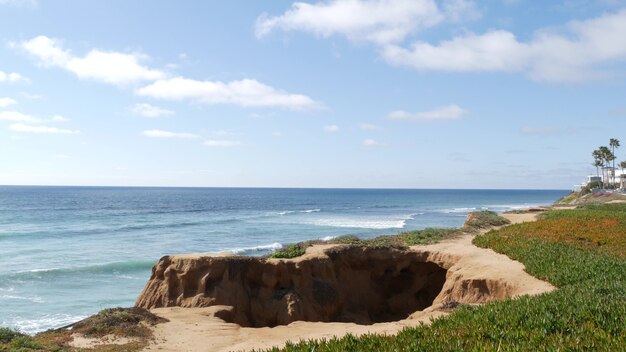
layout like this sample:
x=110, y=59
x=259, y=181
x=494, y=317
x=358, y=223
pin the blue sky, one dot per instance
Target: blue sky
x=336, y=93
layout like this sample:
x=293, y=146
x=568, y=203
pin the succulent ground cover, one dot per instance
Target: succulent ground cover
x=571, y=249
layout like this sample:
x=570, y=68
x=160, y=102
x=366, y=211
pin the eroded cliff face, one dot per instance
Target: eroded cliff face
x=337, y=283
x=340, y=284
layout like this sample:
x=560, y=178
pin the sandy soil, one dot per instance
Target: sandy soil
x=79, y=341
x=197, y=329
x=616, y=201
x=519, y=218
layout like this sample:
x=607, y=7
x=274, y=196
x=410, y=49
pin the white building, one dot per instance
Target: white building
x=607, y=178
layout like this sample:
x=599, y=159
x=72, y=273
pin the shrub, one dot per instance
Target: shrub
x=118, y=321
x=7, y=335
x=485, y=219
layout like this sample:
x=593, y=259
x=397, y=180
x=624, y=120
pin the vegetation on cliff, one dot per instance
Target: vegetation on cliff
x=587, y=312
x=475, y=222
x=118, y=322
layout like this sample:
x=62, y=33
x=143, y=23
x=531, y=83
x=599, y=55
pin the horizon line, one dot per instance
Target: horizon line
x=296, y=188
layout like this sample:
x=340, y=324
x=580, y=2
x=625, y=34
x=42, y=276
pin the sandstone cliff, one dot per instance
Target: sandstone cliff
x=337, y=283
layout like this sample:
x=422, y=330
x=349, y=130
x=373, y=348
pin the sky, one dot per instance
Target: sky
x=335, y=93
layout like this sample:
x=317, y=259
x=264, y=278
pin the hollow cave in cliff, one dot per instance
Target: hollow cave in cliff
x=345, y=284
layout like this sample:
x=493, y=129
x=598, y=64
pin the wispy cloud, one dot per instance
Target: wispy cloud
x=370, y=143
x=4, y=102
x=20, y=127
x=147, y=110
x=32, y=3
x=331, y=128
x=450, y=112
x=221, y=143
x=105, y=66
x=575, y=55
x=369, y=127
x=17, y=117
x=547, y=130
x=378, y=21
x=11, y=77
x=59, y=118
x=246, y=92
x=169, y=134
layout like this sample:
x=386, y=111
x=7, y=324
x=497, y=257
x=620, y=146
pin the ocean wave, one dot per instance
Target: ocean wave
x=458, y=210
x=41, y=232
x=507, y=207
x=264, y=248
x=109, y=268
x=22, y=298
x=359, y=223
x=45, y=322
x=287, y=212
x=328, y=238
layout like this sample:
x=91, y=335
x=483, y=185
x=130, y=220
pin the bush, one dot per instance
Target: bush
x=485, y=219
x=118, y=321
x=7, y=335
x=399, y=241
x=291, y=251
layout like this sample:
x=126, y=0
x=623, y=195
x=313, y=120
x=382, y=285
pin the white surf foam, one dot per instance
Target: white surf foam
x=47, y=321
x=264, y=248
x=328, y=238
x=359, y=223
x=22, y=298
x=458, y=210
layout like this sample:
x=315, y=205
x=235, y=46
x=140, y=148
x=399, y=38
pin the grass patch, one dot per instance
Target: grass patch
x=122, y=322
x=586, y=313
x=127, y=322
x=480, y=220
x=401, y=241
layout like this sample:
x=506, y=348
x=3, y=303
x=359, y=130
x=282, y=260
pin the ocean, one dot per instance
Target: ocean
x=68, y=252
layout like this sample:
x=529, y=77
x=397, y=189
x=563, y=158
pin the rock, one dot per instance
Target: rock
x=343, y=284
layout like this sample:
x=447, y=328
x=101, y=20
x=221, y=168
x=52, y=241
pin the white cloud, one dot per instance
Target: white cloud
x=61, y=156
x=369, y=127
x=246, y=92
x=168, y=134
x=221, y=143
x=450, y=112
x=11, y=77
x=546, y=130
x=105, y=66
x=331, y=128
x=371, y=143
x=59, y=118
x=20, y=127
x=147, y=110
x=32, y=96
x=32, y=3
x=583, y=51
x=4, y=102
x=379, y=21
x=17, y=117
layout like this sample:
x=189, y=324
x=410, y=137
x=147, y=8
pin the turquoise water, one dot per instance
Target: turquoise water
x=68, y=252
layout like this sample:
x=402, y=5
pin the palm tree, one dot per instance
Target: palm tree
x=614, y=144
x=622, y=165
x=607, y=157
x=597, y=163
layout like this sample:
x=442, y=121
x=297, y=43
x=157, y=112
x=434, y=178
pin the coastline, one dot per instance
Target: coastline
x=192, y=329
